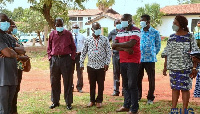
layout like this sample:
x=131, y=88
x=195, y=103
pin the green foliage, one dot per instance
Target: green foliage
x=105, y=31
x=7, y=12
x=18, y=13
x=104, y=4
x=83, y=31
x=188, y=1
x=153, y=10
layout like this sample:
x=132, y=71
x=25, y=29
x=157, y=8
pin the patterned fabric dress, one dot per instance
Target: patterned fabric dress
x=197, y=86
x=179, y=62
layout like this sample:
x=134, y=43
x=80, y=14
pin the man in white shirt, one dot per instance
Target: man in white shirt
x=79, y=42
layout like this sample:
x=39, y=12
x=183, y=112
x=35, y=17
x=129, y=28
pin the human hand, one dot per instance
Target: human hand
x=193, y=74
x=24, y=58
x=113, y=45
x=195, y=59
x=165, y=71
x=2, y=56
x=82, y=68
x=129, y=51
x=106, y=67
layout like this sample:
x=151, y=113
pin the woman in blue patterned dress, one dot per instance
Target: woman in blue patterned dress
x=178, y=61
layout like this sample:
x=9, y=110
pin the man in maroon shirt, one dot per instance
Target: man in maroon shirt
x=61, y=51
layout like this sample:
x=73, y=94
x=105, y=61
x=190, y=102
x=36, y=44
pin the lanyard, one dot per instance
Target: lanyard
x=96, y=43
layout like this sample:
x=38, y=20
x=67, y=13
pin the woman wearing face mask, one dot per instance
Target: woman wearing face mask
x=179, y=62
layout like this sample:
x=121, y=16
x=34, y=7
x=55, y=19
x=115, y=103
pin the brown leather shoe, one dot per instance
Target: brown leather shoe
x=132, y=112
x=99, y=105
x=122, y=109
x=90, y=104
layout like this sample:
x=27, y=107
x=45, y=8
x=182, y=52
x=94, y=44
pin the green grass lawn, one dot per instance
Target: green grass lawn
x=38, y=103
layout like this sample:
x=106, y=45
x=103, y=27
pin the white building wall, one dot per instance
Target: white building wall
x=166, y=28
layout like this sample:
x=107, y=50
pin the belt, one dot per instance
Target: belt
x=61, y=55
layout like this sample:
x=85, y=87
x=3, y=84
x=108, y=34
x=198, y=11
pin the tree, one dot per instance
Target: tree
x=45, y=7
x=32, y=21
x=105, y=4
x=188, y=1
x=7, y=12
x=153, y=11
x=17, y=14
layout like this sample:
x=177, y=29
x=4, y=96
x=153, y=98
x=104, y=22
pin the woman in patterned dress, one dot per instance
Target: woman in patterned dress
x=178, y=61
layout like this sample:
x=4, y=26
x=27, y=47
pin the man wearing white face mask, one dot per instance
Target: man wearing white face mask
x=61, y=52
x=99, y=53
x=150, y=44
x=79, y=42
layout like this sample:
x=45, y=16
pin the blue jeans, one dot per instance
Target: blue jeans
x=129, y=72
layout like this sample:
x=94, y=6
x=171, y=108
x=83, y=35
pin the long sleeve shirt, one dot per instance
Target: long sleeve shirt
x=79, y=41
x=61, y=44
x=98, y=50
x=150, y=44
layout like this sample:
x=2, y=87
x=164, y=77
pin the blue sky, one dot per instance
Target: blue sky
x=121, y=6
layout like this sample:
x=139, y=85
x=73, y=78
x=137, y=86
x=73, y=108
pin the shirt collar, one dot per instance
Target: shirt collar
x=150, y=29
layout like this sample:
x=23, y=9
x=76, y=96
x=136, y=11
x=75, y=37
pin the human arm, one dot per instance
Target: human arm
x=110, y=36
x=73, y=47
x=108, y=55
x=165, y=67
x=157, y=42
x=128, y=44
x=49, y=48
x=129, y=50
x=83, y=54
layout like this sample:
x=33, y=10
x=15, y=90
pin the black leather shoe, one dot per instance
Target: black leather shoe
x=115, y=94
x=69, y=106
x=54, y=105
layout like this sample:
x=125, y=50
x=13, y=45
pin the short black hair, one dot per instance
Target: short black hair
x=146, y=16
x=127, y=16
x=93, y=24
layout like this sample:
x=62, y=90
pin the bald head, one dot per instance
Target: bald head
x=96, y=26
x=75, y=26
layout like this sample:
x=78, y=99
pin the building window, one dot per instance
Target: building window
x=79, y=21
x=73, y=18
x=89, y=18
x=80, y=18
x=194, y=24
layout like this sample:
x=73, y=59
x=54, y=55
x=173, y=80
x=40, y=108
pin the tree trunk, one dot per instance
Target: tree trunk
x=45, y=35
x=47, y=15
x=40, y=41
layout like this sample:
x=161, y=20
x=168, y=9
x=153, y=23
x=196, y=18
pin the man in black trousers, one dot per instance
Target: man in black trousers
x=61, y=51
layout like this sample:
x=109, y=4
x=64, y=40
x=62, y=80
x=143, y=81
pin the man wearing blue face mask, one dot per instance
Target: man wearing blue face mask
x=150, y=44
x=79, y=42
x=8, y=67
x=99, y=53
x=61, y=52
x=115, y=58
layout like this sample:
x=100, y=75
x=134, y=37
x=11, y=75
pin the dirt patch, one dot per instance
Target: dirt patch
x=40, y=80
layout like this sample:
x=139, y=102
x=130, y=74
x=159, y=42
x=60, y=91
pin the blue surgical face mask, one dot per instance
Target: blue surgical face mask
x=4, y=26
x=97, y=32
x=143, y=24
x=175, y=27
x=14, y=31
x=75, y=31
x=118, y=26
x=59, y=29
x=124, y=24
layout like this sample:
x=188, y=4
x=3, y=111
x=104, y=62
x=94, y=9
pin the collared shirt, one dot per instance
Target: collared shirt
x=197, y=32
x=125, y=36
x=150, y=44
x=61, y=44
x=98, y=50
x=79, y=41
x=8, y=66
x=177, y=50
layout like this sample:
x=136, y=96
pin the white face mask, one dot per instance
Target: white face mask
x=175, y=28
x=143, y=24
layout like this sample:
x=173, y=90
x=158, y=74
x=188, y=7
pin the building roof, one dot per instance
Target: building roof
x=181, y=9
x=104, y=15
x=89, y=12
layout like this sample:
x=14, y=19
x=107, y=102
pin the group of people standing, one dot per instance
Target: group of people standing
x=133, y=51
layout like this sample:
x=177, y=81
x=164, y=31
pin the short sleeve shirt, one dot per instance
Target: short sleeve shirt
x=8, y=66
